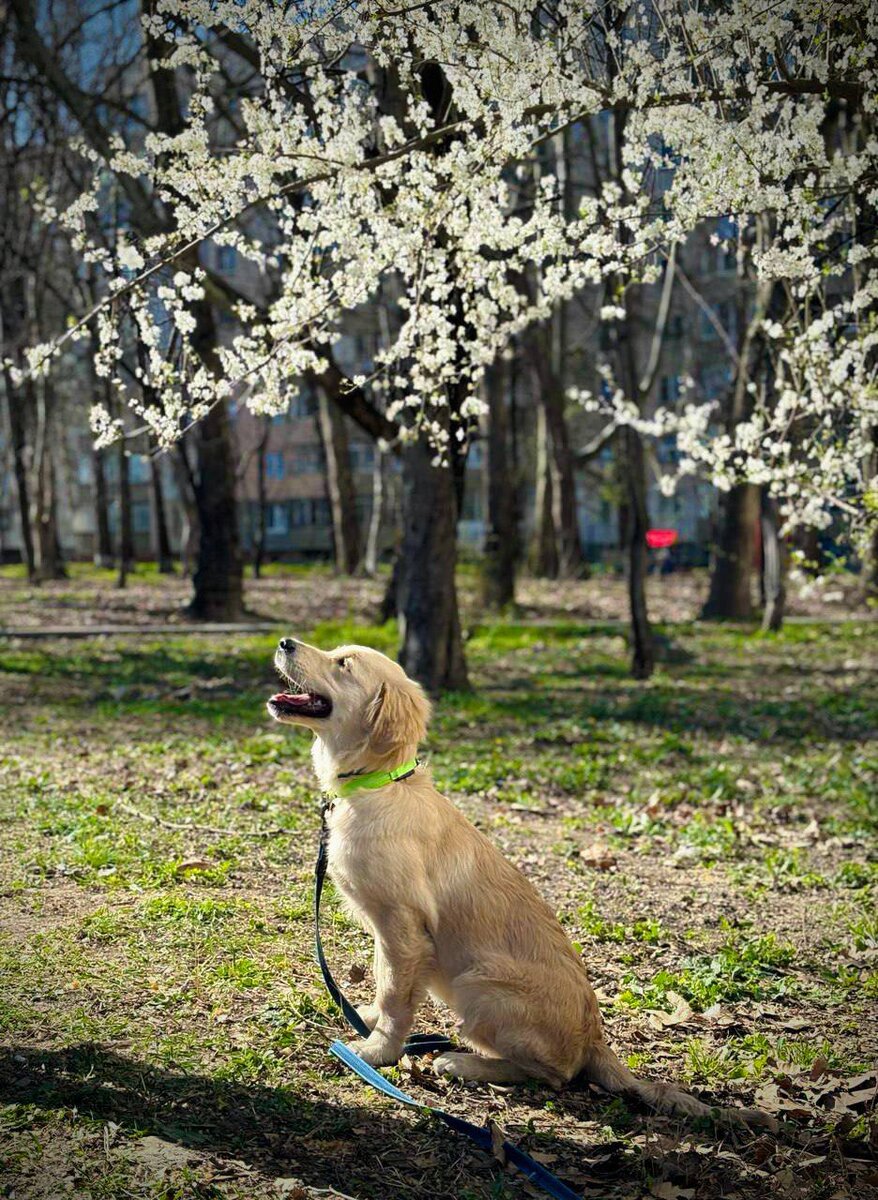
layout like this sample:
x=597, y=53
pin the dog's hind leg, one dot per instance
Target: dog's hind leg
x=478, y=1068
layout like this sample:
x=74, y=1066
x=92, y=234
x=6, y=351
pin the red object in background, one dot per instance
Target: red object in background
x=659, y=539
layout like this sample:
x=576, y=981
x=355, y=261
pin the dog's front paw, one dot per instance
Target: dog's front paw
x=368, y=1014
x=376, y=1050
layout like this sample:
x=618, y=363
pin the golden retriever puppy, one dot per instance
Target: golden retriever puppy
x=449, y=915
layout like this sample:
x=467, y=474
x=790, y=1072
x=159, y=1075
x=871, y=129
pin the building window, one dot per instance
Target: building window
x=274, y=465
x=715, y=381
x=309, y=512
x=300, y=406
x=669, y=389
x=667, y=449
x=277, y=519
x=361, y=455
x=307, y=460
x=675, y=326
x=140, y=518
x=226, y=259
x=301, y=513
x=725, y=314
x=138, y=468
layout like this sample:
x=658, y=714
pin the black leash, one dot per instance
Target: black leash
x=419, y=1043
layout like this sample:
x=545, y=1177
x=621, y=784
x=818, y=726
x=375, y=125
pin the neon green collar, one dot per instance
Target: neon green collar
x=374, y=779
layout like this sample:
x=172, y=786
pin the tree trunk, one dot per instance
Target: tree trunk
x=49, y=562
x=103, y=551
x=373, y=538
x=218, y=583
x=47, y=557
x=730, y=595
x=389, y=606
x=774, y=565
x=261, y=501
x=431, y=647
x=550, y=385
x=163, y=554
x=126, y=533
x=544, y=548
x=870, y=569
x=189, y=526
x=18, y=437
x=642, y=648
x=339, y=485
x=501, y=537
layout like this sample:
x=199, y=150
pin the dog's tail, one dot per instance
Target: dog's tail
x=604, y=1068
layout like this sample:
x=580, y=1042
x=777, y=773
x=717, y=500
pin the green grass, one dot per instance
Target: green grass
x=743, y=967
x=160, y=977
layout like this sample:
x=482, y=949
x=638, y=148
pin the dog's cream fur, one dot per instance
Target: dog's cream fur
x=450, y=916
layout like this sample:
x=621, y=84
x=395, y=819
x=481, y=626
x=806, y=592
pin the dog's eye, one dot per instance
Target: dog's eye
x=341, y=661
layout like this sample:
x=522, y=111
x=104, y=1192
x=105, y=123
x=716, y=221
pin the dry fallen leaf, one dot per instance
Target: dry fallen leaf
x=195, y=864
x=497, y=1140
x=818, y=1068
x=671, y=1191
x=681, y=1013
x=599, y=856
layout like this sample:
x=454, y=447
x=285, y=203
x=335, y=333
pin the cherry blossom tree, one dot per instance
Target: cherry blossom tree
x=384, y=149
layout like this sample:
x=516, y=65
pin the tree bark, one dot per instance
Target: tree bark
x=218, y=583
x=189, y=532
x=47, y=557
x=550, y=385
x=103, y=551
x=730, y=595
x=544, y=548
x=642, y=647
x=126, y=533
x=774, y=565
x=164, y=558
x=261, y=500
x=501, y=537
x=339, y=485
x=376, y=516
x=431, y=647
x=18, y=437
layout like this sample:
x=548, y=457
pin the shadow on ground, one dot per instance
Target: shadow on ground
x=278, y=1132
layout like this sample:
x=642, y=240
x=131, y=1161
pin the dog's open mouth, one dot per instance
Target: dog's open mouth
x=300, y=704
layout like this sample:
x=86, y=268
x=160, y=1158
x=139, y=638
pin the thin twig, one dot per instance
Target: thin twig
x=191, y=827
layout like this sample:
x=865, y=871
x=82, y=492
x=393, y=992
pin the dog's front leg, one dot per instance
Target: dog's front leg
x=403, y=954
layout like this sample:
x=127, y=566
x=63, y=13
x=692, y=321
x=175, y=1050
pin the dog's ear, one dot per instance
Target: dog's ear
x=398, y=715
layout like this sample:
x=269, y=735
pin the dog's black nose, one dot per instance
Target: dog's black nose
x=288, y=645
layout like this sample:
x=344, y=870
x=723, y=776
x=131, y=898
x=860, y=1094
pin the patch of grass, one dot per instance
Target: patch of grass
x=645, y=929
x=175, y=908
x=856, y=875
x=101, y=926
x=756, y=1055
x=171, y=993
x=864, y=932
x=743, y=967
x=241, y=973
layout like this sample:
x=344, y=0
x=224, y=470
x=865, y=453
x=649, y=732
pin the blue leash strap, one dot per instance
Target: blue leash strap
x=480, y=1134
x=418, y=1043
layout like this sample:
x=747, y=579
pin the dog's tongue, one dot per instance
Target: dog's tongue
x=291, y=698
